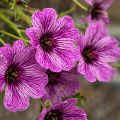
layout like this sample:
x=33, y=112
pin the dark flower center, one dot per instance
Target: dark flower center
x=89, y=54
x=52, y=76
x=12, y=74
x=46, y=42
x=96, y=11
x=53, y=115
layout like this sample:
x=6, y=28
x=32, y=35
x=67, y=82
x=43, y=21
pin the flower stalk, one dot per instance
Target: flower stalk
x=13, y=36
x=80, y=5
x=2, y=41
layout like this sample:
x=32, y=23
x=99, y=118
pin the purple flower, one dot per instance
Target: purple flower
x=20, y=75
x=54, y=39
x=63, y=111
x=97, y=11
x=62, y=84
x=97, y=50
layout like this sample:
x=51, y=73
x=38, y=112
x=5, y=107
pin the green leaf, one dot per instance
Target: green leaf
x=48, y=104
x=81, y=100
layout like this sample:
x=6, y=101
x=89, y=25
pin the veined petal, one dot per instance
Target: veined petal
x=15, y=99
x=106, y=3
x=34, y=81
x=2, y=83
x=44, y=19
x=95, y=32
x=104, y=72
x=18, y=46
x=34, y=34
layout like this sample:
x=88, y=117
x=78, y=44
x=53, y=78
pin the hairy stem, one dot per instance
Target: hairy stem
x=13, y=36
x=2, y=41
x=68, y=11
x=80, y=5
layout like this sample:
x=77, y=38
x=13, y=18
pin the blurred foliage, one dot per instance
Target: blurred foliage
x=81, y=100
x=16, y=16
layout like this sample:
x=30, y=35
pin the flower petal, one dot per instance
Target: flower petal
x=106, y=42
x=71, y=112
x=66, y=85
x=106, y=4
x=48, y=60
x=34, y=81
x=107, y=52
x=95, y=32
x=34, y=35
x=62, y=25
x=44, y=19
x=90, y=2
x=18, y=46
x=25, y=58
x=2, y=83
x=15, y=99
x=104, y=72
x=87, y=71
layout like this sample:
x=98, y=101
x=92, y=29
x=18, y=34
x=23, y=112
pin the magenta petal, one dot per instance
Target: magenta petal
x=64, y=84
x=18, y=46
x=2, y=83
x=34, y=82
x=34, y=34
x=106, y=42
x=7, y=54
x=65, y=21
x=104, y=72
x=48, y=60
x=57, y=45
x=67, y=108
x=87, y=71
x=107, y=52
x=15, y=99
x=90, y=2
x=25, y=58
x=65, y=29
x=68, y=52
x=42, y=114
x=44, y=19
x=106, y=4
x=95, y=32
x=110, y=55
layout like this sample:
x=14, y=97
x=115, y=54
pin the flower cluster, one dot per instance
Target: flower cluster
x=49, y=68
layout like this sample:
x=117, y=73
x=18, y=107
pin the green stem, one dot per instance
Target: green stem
x=80, y=5
x=23, y=16
x=41, y=105
x=13, y=36
x=11, y=24
x=2, y=41
x=116, y=65
x=68, y=11
x=14, y=3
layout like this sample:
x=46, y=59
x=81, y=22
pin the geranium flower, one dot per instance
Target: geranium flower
x=54, y=39
x=97, y=50
x=97, y=11
x=62, y=84
x=63, y=111
x=20, y=76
